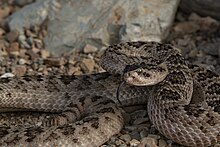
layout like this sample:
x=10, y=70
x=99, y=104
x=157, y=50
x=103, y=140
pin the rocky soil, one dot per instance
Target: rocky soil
x=197, y=37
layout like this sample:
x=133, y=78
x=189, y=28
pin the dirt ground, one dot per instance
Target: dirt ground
x=197, y=37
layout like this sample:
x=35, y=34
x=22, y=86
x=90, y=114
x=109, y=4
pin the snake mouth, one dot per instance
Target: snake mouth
x=133, y=78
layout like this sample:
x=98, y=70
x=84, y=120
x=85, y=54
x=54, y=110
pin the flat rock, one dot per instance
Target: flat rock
x=148, y=141
x=4, y=11
x=89, y=64
x=162, y=143
x=90, y=49
x=202, y=7
x=54, y=61
x=12, y=36
x=126, y=137
x=13, y=49
x=134, y=143
x=19, y=70
x=91, y=21
x=186, y=27
x=7, y=75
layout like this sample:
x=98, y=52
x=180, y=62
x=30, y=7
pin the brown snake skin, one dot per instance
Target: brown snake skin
x=184, y=107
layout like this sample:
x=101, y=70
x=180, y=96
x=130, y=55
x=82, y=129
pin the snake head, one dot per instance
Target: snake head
x=145, y=74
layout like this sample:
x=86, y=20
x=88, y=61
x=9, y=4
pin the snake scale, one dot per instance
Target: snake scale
x=183, y=101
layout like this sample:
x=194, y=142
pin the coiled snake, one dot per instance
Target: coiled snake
x=183, y=101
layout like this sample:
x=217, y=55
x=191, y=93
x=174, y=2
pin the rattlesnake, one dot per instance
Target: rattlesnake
x=182, y=100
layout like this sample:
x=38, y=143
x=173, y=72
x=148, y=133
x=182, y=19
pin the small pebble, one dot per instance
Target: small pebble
x=89, y=64
x=134, y=143
x=90, y=49
x=53, y=61
x=4, y=11
x=2, y=31
x=44, y=54
x=162, y=143
x=19, y=70
x=13, y=49
x=7, y=75
x=186, y=27
x=138, y=114
x=126, y=137
x=148, y=141
x=12, y=36
x=22, y=61
x=144, y=133
x=140, y=121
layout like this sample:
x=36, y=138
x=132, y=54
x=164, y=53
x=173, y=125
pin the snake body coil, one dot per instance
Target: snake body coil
x=183, y=101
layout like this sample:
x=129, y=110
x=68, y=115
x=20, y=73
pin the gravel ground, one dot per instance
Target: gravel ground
x=197, y=37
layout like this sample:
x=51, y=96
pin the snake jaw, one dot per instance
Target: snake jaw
x=146, y=77
x=133, y=78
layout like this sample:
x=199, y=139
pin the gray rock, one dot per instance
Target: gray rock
x=202, y=7
x=126, y=137
x=134, y=143
x=33, y=14
x=212, y=47
x=149, y=21
x=72, y=24
x=149, y=141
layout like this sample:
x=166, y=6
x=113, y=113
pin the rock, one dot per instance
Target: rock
x=153, y=22
x=205, y=23
x=2, y=32
x=4, y=11
x=193, y=53
x=33, y=14
x=22, y=41
x=101, y=23
x=32, y=55
x=7, y=75
x=54, y=61
x=2, y=44
x=162, y=143
x=38, y=43
x=186, y=27
x=105, y=23
x=44, y=54
x=90, y=49
x=126, y=138
x=30, y=41
x=148, y=141
x=35, y=50
x=19, y=70
x=12, y=36
x=202, y=7
x=140, y=120
x=89, y=64
x=134, y=143
x=138, y=114
x=135, y=134
x=120, y=143
x=74, y=70
x=29, y=33
x=144, y=133
x=211, y=47
x=153, y=136
x=22, y=61
x=13, y=49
